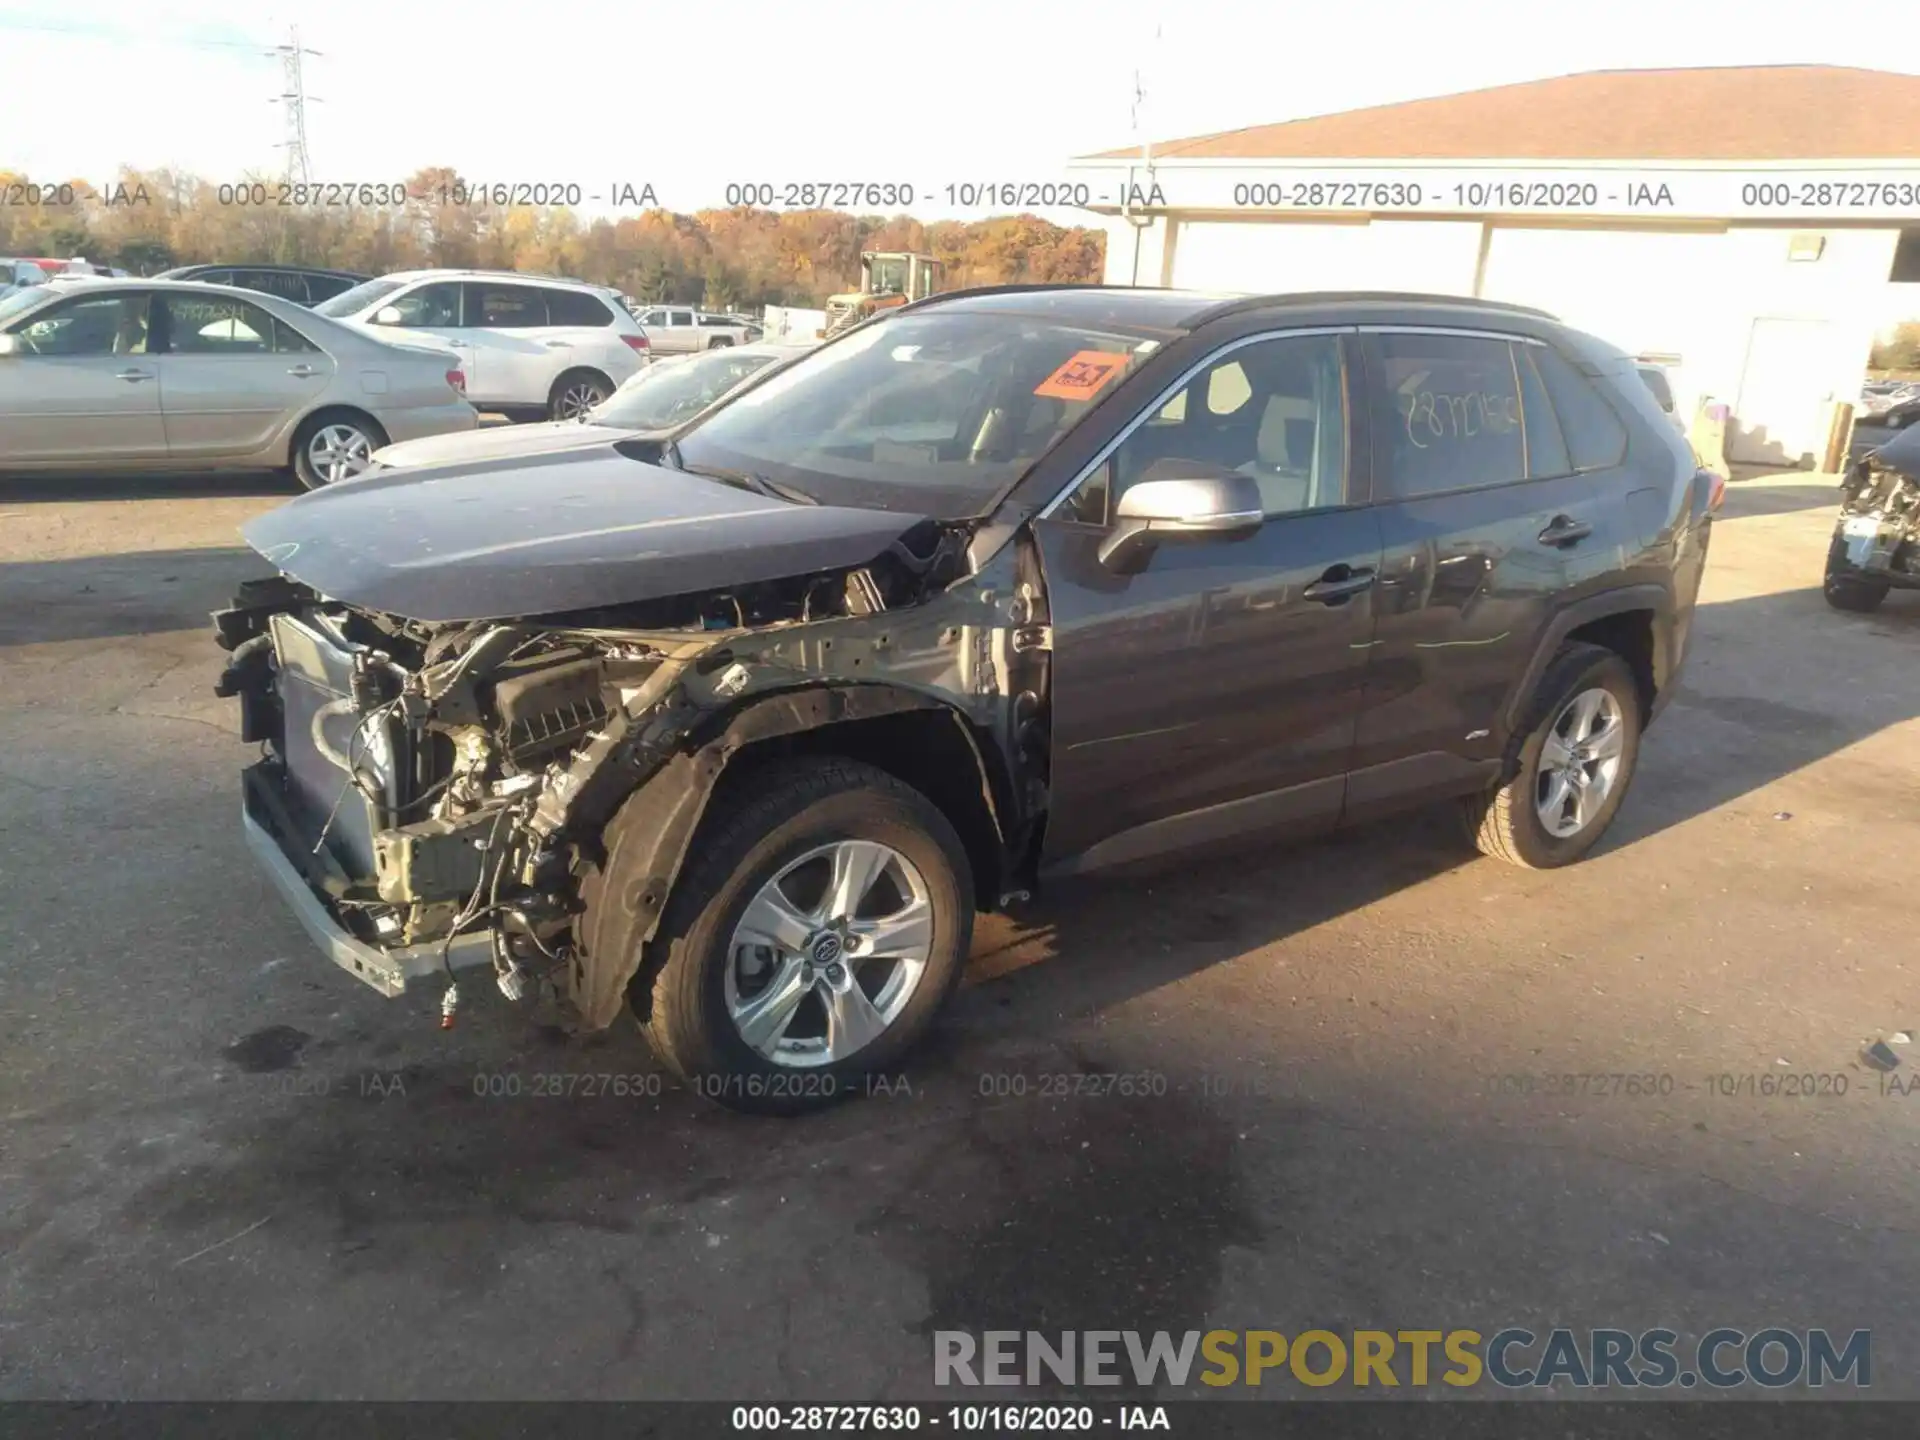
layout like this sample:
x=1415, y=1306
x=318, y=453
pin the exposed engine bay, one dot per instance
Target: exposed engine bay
x=1878, y=537
x=441, y=787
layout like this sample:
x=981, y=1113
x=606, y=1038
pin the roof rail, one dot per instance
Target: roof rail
x=1035, y=288
x=1309, y=297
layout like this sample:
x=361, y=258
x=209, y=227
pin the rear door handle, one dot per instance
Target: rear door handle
x=304, y=372
x=1340, y=583
x=559, y=344
x=1565, y=530
x=134, y=376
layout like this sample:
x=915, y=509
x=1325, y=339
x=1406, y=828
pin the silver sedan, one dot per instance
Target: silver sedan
x=157, y=375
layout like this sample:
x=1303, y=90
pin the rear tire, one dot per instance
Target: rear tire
x=797, y=819
x=575, y=393
x=1512, y=822
x=720, y=342
x=334, y=445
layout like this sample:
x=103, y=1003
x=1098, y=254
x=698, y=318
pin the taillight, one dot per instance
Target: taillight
x=458, y=380
x=1716, y=488
x=637, y=342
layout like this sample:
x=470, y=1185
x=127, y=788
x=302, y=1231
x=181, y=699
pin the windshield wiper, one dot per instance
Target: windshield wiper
x=746, y=480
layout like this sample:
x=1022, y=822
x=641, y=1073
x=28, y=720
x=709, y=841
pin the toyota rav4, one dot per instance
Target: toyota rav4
x=739, y=731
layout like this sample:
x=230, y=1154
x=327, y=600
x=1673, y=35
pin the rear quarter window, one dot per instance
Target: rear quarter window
x=1596, y=437
x=577, y=308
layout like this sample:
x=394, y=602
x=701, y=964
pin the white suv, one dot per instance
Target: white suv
x=532, y=348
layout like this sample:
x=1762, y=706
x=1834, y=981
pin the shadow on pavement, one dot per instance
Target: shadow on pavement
x=145, y=592
x=184, y=485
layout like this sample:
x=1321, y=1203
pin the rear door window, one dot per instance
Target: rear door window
x=274, y=282
x=210, y=325
x=506, y=307
x=1445, y=413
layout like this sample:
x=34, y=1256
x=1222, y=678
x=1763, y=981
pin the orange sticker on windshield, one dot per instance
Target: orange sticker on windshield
x=1082, y=376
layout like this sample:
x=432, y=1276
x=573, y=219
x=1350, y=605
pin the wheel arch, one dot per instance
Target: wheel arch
x=320, y=414
x=1636, y=622
x=591, y=371
x=923, y=741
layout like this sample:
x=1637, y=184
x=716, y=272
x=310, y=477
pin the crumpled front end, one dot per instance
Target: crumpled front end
x=1877, y=539
x=431, y=796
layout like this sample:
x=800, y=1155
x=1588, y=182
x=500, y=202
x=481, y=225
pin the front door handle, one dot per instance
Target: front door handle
x=1565, y=530
x=134, y=376
x=1339, y=584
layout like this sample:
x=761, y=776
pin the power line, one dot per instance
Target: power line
x=127, y=38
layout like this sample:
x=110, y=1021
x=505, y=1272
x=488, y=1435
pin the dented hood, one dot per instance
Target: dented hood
x=493, y=540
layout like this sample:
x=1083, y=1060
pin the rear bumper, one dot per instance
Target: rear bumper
x=388, y=971
x=419, y=421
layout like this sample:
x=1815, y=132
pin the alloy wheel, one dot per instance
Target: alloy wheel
x=1579, y=762
x=828, y=953
x=339, y=452
x=576, y=400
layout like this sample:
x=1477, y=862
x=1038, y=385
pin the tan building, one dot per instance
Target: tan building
x=1740, y=224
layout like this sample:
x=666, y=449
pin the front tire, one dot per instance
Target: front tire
x=331, y=447
x=1581, y=744
x=1850, y=592
x=808, y=947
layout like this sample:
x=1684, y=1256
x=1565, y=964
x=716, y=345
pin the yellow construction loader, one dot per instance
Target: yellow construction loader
x=888, y=279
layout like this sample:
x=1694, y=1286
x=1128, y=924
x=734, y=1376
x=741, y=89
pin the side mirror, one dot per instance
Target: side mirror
x=1183, y=501
x=9, y=345
x=387, y=315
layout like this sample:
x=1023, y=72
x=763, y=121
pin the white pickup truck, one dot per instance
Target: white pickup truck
x=681, y=330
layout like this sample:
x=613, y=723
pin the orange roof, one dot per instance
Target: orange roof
x=1739, y=113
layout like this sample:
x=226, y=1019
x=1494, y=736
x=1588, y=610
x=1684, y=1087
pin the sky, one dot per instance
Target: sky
x=691, y=97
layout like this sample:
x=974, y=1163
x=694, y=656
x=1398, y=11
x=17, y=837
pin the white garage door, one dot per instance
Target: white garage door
x=1435, y=256
x=1776, y=419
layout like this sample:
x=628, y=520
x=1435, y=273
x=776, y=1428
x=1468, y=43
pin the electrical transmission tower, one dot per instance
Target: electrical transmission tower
x=294, y=97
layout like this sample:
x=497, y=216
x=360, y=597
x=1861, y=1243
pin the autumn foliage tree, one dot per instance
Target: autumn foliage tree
x=149, y=221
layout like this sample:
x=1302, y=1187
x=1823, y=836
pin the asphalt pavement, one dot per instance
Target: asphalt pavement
x=229, y=1170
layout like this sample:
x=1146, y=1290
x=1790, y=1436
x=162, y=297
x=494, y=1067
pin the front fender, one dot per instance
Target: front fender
x=646, y=842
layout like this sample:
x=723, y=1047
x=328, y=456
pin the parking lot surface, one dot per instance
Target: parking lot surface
x=227, y=1169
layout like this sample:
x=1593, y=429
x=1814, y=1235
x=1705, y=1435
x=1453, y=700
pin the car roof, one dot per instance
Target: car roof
x=183, y=271
x=1180, y=311
x=56, y=284
x=513, y=275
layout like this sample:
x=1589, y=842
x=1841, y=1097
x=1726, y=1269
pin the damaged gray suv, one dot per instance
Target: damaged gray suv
x=739, y=730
